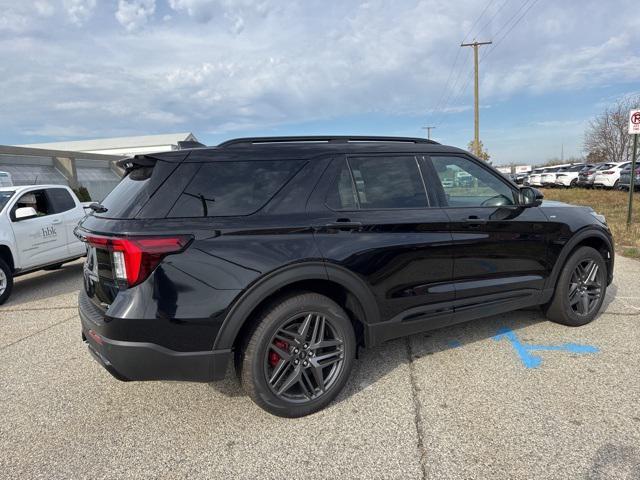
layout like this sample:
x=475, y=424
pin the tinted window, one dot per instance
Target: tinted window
x=467, y=184
x=342, y=196
x=134, y=190
x=233, y=188
x=388, y=182
x=60, y=199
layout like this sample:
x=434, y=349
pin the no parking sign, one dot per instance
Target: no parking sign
x=634, y=122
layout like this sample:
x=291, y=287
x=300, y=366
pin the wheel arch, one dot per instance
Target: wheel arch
x=335, y=282
x=7, y=255
x=591, y=237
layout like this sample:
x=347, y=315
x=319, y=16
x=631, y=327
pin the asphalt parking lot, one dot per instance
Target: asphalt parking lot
x=511, y=396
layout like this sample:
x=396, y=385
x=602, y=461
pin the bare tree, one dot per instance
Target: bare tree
x=607, y=134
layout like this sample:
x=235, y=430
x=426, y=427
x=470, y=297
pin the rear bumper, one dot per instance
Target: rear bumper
x=147, y=361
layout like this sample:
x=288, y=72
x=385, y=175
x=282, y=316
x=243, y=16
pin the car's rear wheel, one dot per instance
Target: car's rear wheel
x=6, y=281
x=573, y=183
x=298, y=356
x=580, y=290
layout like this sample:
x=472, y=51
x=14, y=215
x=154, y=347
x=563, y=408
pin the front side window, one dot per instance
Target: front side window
x=467, y=184
x=387, y=182
x=233, y=188
x=37, y=200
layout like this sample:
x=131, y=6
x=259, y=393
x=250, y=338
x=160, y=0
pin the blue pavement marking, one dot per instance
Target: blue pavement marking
x=454, y=343
x=533, y=361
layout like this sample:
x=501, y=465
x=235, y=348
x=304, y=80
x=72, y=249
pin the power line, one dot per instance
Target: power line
x=499, y=40
x=455, y=61
x=526, y=6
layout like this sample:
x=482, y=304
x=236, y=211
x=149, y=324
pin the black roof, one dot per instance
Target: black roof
x=307, y=147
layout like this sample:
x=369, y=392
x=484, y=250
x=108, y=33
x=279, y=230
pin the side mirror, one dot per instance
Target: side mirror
x=25, y=213
x=530, y=197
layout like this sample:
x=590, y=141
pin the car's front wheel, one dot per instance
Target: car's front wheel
x=298, y=355
x=6, y=281
x=580, y=290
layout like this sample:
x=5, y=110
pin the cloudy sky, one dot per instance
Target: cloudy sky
x=73, y=69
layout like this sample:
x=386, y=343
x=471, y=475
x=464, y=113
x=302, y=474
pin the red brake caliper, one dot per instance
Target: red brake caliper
x=274, y=358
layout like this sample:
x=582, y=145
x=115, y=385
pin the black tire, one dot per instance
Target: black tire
x=55, y=266
x=6, y=279
x=616, y=184
x=573, y=183
x=258, y=365
x=568, y=305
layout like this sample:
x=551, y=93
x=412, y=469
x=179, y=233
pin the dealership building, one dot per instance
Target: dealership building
x=81, y=163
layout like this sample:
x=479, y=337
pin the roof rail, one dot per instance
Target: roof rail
x=323, y=139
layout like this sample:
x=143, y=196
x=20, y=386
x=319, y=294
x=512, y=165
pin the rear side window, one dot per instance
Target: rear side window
x=342, y=196
x=60, y=199
x=233, y=188
x=379, y=183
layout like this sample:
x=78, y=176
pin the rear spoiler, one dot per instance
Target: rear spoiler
x=149, y=160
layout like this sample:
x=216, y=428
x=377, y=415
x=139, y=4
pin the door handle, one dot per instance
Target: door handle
x=56, y=221
x=475, y=220
x=344, y=225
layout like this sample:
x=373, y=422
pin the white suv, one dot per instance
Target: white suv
x=568, y=177
x=609, y=178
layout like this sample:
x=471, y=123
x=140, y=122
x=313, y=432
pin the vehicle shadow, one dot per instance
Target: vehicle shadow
x=374, y=364
x=40, y=286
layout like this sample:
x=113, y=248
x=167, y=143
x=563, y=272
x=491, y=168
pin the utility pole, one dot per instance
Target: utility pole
x=428, y=129
x=476, y=104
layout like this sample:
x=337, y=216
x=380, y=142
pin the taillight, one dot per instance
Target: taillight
x=134, y=258
x=607, y=172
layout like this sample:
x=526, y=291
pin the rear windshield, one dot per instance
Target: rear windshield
x=134, y=190
x=233, y=188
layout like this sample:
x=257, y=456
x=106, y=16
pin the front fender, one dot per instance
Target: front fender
x=580, y=237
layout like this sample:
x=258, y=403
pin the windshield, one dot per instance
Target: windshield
x=4, y=198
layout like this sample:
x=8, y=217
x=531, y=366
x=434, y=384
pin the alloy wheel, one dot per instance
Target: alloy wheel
x=585, y=287
x=3, y=282
x=305, y=358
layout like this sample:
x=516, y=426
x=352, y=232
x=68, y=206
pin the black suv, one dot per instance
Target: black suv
x=285, y=254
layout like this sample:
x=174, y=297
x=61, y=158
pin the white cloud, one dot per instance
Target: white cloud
x=79, y=11
x=226, y=65
x=134, y=14
x=44, y=8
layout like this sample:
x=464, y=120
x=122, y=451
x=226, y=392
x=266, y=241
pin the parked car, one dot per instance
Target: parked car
x=534, y=178
x=5, y=179
x=36, y=231
x=568, y=176
x=285, y=254
x=625, y=178
x=609, y=177
x=586, y=177
x=548, y=178
x=519, y=178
